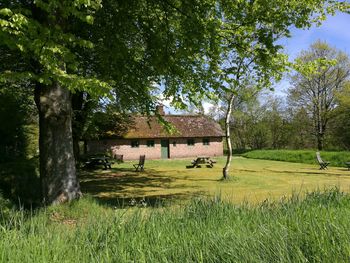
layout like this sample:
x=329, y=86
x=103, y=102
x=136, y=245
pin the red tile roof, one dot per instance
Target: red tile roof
x=186, y=126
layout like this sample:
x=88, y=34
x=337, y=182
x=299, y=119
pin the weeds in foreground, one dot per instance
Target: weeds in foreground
x=312, y=229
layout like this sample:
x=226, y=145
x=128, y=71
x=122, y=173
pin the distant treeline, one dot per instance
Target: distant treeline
x=313, y=114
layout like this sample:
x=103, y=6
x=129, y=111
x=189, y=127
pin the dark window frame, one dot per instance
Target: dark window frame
x=206, y=141
x=191, y=142
x=150, y=143
x=135, y=144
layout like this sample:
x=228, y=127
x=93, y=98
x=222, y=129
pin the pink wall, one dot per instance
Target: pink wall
x=179, y=150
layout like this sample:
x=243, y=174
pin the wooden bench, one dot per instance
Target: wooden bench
x=211, y=163
x=202, y=160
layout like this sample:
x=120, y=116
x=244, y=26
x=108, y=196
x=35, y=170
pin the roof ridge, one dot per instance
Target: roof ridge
x=186, y=125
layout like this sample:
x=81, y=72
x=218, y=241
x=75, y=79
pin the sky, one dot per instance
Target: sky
x=335, y=31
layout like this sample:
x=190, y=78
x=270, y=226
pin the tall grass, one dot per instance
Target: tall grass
x=300, y=156
x=314, y=229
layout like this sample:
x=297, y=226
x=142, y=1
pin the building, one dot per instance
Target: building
x=195, y=135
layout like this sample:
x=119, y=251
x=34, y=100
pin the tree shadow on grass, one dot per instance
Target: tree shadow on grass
x=120, y=187
x=147, y=201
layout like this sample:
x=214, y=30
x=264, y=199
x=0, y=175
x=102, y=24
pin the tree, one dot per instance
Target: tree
x=321, y=72
x=134, y=45
x=158, y=41
x=41, y=33
x=14, y=116
x=248, y=54
x=300, y=129
x=340, y=121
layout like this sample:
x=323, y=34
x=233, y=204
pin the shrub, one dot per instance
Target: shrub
x=19, y=182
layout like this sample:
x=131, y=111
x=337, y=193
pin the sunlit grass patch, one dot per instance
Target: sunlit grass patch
x=165, y=181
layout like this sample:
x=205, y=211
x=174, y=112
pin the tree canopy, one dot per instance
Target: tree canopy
x=321, y=73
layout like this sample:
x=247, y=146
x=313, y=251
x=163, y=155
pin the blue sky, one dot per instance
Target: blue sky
x=335, y=31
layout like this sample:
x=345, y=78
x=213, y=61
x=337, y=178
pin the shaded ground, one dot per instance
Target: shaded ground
x=169, y=180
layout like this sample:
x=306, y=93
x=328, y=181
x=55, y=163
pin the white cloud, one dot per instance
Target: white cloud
x=207, y=106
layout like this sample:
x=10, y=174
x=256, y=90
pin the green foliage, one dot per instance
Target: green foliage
x=294, y=230
x=321, y=73
x=300, y=156
x=16, y=112
x=5, y=210
x=107, y=124
x=19, y=182
x=41, y=37
x=31, y=132
x=340, y=121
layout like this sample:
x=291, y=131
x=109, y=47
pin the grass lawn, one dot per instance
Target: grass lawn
x=252, y=180
x=310, y=229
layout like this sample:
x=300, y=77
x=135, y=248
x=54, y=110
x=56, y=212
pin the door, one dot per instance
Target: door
x=165, y=149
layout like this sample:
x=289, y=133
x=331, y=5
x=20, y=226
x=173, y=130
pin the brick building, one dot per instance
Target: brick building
x=194, y=135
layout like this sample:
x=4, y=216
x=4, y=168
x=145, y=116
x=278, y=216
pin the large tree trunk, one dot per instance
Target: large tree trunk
x=226, y=169
x=57, y=165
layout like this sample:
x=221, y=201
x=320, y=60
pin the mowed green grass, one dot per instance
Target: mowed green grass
x=251, y=180
x=300, y=156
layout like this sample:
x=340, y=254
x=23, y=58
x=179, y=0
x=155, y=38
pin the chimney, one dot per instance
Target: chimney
x=160, y=109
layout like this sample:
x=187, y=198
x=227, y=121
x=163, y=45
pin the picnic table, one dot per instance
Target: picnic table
x=94, y=161
x=202, y=160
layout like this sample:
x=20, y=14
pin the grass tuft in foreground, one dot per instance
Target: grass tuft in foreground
x=314, y=229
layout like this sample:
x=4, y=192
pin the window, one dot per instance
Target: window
x=190, y=142
x=206, y=141
x=150, y=143
x=135, y=144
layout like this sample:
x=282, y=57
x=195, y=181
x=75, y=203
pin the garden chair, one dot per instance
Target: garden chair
x=323, y=164
x=141, y=163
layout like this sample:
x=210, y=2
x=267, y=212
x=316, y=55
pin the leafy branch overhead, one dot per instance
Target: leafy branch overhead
x=47, y=43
